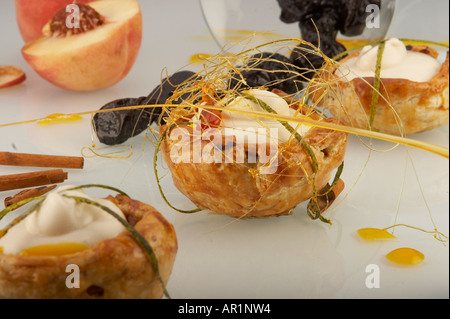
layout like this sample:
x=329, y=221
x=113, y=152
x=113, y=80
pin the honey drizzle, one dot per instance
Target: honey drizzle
x=371, y=234
x=59, y=117
x=381, y=233
x=60, y=249
x=405, y=256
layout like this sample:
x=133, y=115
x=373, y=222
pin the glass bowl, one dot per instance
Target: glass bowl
x=252, y=23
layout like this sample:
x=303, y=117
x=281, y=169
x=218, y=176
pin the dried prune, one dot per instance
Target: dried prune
x=163, y=93
x=168, y=85
x=296, y=10
x=323, y=18
x=305, y=57
x=271, y=70
x=323, y=37
x=116, y=127
x=351, y=14
x=325, y=23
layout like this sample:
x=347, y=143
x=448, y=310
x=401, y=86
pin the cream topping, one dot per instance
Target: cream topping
x=240, y=124
x=397, y=62
x=61, y=220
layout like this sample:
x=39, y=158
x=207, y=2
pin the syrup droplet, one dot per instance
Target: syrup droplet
x=199, y=57
x=54, y=249
x=59, y=117
x=351, y=44
x=374, y=234
x=405, y=256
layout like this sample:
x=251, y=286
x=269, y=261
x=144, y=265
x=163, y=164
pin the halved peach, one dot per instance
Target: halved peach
x=10, y=75
x=94, y=59
x=32, y=15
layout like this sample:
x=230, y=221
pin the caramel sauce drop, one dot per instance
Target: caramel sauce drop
x=351, y=44
x=370, y=234
x=199, y=57
x=59, y=117
x=54, y=249
x=405, y=256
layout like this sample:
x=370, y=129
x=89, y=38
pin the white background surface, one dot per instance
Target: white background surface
x=284, y=257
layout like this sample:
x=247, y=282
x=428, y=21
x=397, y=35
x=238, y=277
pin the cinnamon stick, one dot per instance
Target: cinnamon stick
x=28, y=193
x=32, y=179
x=37, y=160
x=326, y=200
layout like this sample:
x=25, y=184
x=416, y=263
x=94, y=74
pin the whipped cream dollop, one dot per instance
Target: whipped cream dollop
x=240, y=124
x=63, y=220
x=397, y=63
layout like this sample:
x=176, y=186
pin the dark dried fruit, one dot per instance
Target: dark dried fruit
x=323, y=18
x=305, y=57
x=350, y=15
x=270, y=70
x=118, y=126
x=324, y=22
x=164, y=91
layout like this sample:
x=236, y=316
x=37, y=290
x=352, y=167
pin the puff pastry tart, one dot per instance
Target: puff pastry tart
x=414, y=89
x=69, y=265
x=242, y=166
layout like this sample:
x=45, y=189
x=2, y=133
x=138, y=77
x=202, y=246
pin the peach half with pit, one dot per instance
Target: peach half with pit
x=95, y=53
x=32, y=15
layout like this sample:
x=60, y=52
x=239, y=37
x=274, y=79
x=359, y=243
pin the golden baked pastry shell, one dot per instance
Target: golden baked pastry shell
x=404, y=107
x=238, y=190
x=112, y=269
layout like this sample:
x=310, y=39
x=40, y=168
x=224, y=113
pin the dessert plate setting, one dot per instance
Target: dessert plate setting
x=276, y=149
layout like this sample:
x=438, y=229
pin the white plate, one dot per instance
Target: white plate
x=284, y=257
